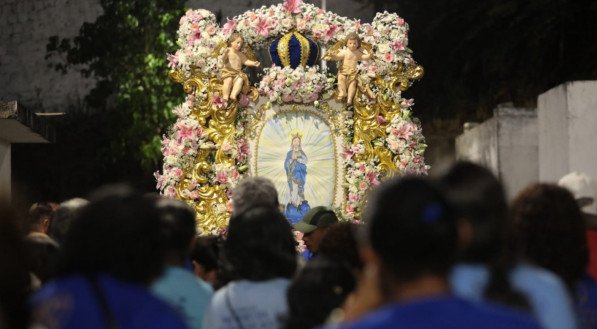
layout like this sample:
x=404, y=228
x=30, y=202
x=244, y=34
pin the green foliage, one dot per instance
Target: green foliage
x=125, y=51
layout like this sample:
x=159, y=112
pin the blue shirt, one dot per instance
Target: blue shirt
x=188, y=294
x=71, y=303
x=550, y=302
x=446, y=312
x=586, y=305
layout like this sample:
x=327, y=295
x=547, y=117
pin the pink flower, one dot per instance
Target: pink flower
x=388, y=57
x=222, y=177
x=408, y=102
x=159, y=180
x=243, y=100
x=352, y=197
x=380, y=119
x=185, y=133
x=226, y=147
x=211, y=30
x=400, y=21
x=363, y=186
x=194, y=37
x=235, y=174
x=170, y=192
x=178, y=172
x=397, y=45
x=331, y=31
x=348, y=153
x=404, y=131
x=173, y=60
x=287, y=23
x=292, y=6
x=394, y=145
x=372, y=178
x=194, y=195
x=218, y=102
x=263, y=26
x=362, y=168
x=357, y=24
x=229, y=26
x=349, y=209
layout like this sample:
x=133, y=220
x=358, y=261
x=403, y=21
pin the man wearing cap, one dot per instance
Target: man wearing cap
x=314, y=225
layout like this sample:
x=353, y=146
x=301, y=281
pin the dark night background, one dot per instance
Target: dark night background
x=476, y=54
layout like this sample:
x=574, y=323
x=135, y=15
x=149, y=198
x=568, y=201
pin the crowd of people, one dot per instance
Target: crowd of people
x=446, y=251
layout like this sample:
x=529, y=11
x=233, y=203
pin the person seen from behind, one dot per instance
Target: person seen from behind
x=549, y=231
x=112, y=254
x=178, y=286
x=259, y=255
x=485, y=270
x=411, y=246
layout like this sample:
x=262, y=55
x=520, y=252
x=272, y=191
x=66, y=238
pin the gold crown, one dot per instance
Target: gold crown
x=294, y=133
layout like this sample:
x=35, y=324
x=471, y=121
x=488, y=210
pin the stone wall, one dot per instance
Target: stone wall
x=25, y=26
x=567, y=117
x=507, y=144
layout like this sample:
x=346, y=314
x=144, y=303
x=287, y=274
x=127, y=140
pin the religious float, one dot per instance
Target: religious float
x=322, y=138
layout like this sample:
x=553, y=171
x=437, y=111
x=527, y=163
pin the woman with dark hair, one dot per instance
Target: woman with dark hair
x=412, y=243
x=112, y=254
x=321, y=286
x=484, y=270
x=205, y=256
x=259, y=255
x=549, y=231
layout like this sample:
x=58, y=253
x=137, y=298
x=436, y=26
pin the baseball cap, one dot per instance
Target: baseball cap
x=583, y=188
x=317, y=217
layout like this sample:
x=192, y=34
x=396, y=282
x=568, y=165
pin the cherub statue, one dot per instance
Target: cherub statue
x=234, y=80
x=347, y=70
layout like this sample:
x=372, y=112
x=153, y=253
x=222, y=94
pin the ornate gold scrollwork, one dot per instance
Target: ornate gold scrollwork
x=219, y=128
x=371, y=120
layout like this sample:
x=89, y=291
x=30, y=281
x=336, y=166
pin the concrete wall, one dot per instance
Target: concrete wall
x=567, y=117
x=507, y=144
x=517, y=148
x=479, y=144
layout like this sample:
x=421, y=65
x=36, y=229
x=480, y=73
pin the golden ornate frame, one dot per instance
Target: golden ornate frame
x=220, y=125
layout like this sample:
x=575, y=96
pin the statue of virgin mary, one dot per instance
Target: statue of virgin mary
x=295, y=166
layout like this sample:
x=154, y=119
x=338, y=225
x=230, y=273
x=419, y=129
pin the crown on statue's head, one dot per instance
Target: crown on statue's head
x=295, y=133
x=294, y=49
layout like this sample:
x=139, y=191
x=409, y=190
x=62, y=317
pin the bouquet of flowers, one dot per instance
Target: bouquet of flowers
x=300, y=85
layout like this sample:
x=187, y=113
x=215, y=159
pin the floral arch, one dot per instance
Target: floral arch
x=212, y=146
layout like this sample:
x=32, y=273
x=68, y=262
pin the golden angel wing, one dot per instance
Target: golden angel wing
x=248, y=51
x=334, y=50
x=218, y=49
x=368, y=47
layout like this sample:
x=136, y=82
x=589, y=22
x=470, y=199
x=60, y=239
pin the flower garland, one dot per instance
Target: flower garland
x=199, y=36
x=300, y=85
x=405, y=139
x=179, y=148
x=360, y=177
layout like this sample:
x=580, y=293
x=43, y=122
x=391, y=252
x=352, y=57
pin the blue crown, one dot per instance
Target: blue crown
x=294, y=49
